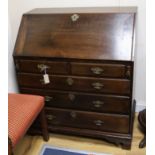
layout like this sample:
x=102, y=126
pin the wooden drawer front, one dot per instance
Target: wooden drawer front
x=32, y=66
x=99, y=70
x=88, y=120
x=116, y=86
x=83, y=101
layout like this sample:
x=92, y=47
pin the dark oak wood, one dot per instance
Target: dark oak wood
x=83, y=101
x=90, y=33
x=87, y=84
x=99, y=70
x=33, y=66
x=44, y=125
x=89, y=59
x=88, y=120
x=116, y=138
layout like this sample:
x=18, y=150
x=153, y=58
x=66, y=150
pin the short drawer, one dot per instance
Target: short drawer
x=96, y=85
x=39, y=66
x=88, y=120
x=99, y=70
x=83, y=101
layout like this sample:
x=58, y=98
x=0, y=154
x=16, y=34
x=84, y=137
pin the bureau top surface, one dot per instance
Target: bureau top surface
x=89, y=33
x=84, y=10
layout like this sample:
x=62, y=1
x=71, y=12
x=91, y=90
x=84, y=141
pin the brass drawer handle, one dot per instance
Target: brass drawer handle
x=42, y=67
x=128, y=71
x=17, y=65
x=98, y=103
x=71, y=97
x=98, y=122
x=48, y=98
x=73, y=114
x=50, y=117
x=97, y=85
x=70, y=81
x=75, y=17
x=97, y=70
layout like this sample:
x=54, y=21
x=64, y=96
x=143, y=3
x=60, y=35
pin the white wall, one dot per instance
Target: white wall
x=18, y=7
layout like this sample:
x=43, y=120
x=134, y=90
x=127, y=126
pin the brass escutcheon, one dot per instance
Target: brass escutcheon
x=73, y=114
x=71, y=96
x=70, y=81
x=42, y=81
x=75, y=17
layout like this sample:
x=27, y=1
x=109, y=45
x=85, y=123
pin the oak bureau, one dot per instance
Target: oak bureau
x=81, y=60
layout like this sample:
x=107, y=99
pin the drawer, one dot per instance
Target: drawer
x=83, y=101
x=99, y=70
x=38, y=66
x=116, y=86
x=88, y=120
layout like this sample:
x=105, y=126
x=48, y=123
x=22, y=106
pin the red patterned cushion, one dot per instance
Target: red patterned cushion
x=22, y=111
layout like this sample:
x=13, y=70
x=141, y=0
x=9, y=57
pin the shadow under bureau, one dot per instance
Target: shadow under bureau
x=81, y=61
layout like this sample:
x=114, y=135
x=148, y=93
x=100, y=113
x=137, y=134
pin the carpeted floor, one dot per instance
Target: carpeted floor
x=50, y=150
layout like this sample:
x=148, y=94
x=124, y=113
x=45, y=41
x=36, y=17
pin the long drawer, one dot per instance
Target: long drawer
x=39, y=66
x=83, y=101
x=88, y=120
x=116, y=86
x=99, y=70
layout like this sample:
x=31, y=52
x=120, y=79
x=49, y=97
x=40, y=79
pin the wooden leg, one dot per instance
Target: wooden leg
x=10, y=151
x=126, y=145
x=142, y=144
x=44, y=126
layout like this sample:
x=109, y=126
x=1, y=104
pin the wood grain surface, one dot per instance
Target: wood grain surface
x=32, y=145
